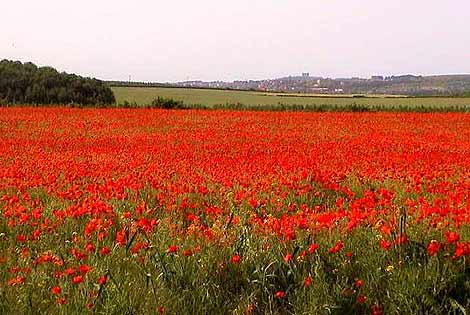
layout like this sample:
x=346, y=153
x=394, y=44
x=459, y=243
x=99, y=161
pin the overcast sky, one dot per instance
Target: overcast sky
x=175, y=40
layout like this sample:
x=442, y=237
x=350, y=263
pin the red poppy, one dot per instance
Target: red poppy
x=307, y=281
x=236, y=259
x=56, y=290
x=172, y=249
x=84, y=269
x=287, y=257
x=313, y=248
x=451, y=237
x=77, y=279
x=384, y=244
x=102, y=280
x=338, y=246
x=16, y=281
x=376, y=310
x=361, y=299
x=104, y=251
x=433, y=247
x=358, y=283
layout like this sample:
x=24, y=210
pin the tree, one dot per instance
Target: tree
x=27, y=83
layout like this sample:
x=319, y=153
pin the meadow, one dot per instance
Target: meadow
x=148, y=211
x=225, y=98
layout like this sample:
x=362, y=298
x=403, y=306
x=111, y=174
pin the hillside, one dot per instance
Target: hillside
x=413, y=85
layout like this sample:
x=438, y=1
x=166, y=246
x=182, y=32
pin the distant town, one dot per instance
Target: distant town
x=305, y=83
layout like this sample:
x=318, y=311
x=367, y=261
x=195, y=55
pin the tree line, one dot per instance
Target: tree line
x=26, y=83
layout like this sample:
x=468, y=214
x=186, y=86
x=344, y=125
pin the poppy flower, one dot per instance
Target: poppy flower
x=358, y=283
x=338, y=246
x=236, y=259
x=361, y=299
x=313, y=248
x=451, y=237
x=307, y=281
x=16, y=281
x=104, y=251
x=56, y=290
x=77, y=279
x=172, y=249
x=103, y=280
x=84, y=269
x=384, y=244
x=288, y=257
x=433, y=248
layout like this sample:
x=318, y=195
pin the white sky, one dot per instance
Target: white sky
x=175, y=40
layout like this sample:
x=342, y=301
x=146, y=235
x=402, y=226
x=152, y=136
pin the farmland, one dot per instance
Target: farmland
x=144, y=211
x=144, y=96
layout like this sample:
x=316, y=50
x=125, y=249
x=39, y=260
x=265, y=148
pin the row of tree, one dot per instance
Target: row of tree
x=25, y=83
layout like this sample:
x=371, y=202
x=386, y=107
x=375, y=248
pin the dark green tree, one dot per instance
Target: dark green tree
x=28, y=84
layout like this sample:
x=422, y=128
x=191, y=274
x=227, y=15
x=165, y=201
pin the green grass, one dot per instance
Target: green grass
x=144, y=96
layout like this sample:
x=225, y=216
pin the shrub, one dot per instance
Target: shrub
x=167, y=103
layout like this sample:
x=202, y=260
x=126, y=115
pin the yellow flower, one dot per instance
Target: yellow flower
x=389, y=268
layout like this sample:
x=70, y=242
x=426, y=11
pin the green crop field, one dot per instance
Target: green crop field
x=145, y=95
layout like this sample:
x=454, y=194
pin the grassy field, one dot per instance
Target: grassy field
x=144, y=96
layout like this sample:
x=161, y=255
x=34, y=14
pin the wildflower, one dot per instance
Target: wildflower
x=77, y=279
x=121, y=238
x=21, y=238
x=187, y=252
x=84, y=269
x=307, y=281
x=235, y=259
x=460, y=249
x=389, y=268
x=280, y=294
x=402, y=239
x=358, y=283
x=89, y=247
x=313, y=248
x=69, y=271
x=433, y=248
x=16, y=281
x=376, y=310
x=385, y=229
x=56, y=290
x=288, y=257
x=172, y=249
x=338, y=246
x=385, y=245
x=102, y=280
x=451, y=237
x=253, y=203
x=361, y=299
x=105, y=251
x=61, y=301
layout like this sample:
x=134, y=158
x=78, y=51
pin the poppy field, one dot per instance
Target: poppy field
x=144, y=211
